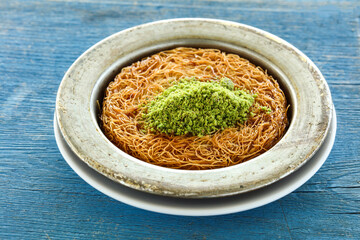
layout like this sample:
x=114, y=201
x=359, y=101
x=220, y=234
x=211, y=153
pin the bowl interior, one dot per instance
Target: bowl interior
x=109, y=74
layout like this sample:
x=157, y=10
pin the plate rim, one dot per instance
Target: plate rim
x=105, y=188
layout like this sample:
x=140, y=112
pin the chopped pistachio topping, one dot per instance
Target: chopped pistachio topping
x=265, y=109
x=197, y=108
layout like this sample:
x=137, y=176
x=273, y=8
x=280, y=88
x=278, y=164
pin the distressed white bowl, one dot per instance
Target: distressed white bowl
x=84, y=83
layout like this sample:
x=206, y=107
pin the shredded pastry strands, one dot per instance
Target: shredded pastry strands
x=141, y=82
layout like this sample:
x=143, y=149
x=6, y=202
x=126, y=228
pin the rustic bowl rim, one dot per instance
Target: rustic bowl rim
x=309, y=127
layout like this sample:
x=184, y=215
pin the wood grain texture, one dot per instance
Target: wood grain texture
x=42, y=198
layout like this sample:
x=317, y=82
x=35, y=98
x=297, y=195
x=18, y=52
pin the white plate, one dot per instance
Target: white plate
x=198, y=207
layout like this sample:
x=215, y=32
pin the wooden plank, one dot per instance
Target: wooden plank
x=42, y=198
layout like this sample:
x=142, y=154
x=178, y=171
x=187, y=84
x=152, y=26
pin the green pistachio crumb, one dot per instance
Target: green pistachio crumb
x=197, y=108
x=266, y=109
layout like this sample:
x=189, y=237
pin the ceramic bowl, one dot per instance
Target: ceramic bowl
x=83, y=86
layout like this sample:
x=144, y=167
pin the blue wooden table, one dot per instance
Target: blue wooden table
x=41, y=197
